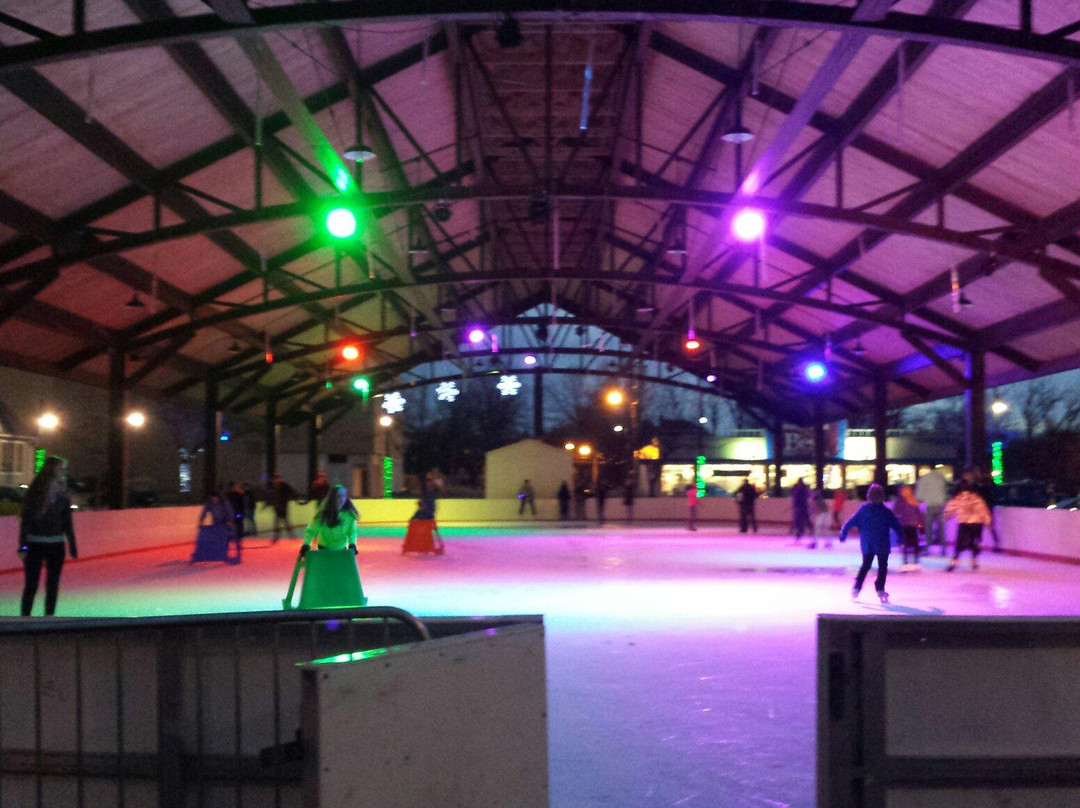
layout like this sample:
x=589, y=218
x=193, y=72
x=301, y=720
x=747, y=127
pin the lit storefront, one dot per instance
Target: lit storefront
x=732, y=458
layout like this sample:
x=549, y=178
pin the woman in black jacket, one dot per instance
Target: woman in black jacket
x=43, y=529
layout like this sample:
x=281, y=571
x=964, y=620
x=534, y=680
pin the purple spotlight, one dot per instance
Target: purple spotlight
x=476, y=335
x=815, y=372
x=529, y=359
x=710, y=378
x=748, y=225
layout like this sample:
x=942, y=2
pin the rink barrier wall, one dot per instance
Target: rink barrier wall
x=947, y=712
x=1029, y=532
x=198, y=711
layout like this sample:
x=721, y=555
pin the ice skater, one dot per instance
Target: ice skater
x=800, y=509
x=906, y=508
x=746, y=494
x=932, y=490
x=971, y=514
x=820, y=506
x=874, y=521
x=45, y=526
x=526, y=496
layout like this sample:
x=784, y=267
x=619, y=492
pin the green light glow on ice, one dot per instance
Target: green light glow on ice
x=699, y=481
x=388, y=477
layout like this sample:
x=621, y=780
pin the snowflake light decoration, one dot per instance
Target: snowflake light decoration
x=447, y=391
x=508, y=385
x=393, y=402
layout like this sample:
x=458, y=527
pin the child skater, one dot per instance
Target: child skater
x=971, y=514
x=906, y=508
x=874, y=521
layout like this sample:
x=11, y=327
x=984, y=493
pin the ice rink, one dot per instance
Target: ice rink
x=681, y=666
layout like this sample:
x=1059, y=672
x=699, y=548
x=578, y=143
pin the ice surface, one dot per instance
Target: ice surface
x=681, y=667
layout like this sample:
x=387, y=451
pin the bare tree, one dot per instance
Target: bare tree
x=1035, y=402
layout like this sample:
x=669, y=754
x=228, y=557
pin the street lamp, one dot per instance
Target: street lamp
x=999, y=407
x=584, y=450
x=48, y=421
x=136, y=419
x=569, y=446
x=386, y=420
x=614, y=397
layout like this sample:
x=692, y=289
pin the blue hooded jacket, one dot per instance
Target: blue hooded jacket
x=874, y=520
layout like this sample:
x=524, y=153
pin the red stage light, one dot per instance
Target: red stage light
x=692, y=344
x=350, y=352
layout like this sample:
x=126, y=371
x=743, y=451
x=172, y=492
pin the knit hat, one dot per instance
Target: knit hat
x=875, y=494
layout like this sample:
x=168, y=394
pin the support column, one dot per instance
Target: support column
x=881, y=426
x=210, y=430
x=271, y=436
x=312, y=446
x=115, y=487
x=778, y=457
x=819, y=445
x=538, y=404
x=975, y=411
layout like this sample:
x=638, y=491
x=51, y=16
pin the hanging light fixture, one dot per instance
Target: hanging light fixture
x=359, y=153
x=737, y=134
x=135, y=302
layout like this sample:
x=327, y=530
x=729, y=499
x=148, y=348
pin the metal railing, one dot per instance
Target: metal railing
x=167, y=711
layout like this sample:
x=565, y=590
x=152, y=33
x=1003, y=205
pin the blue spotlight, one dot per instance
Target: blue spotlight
x=815, y=372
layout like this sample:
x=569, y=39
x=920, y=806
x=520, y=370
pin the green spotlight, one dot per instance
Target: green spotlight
x=361, y=385
x=341, y=223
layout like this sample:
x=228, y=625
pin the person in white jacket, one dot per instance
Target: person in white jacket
x=932, y=491
x=971, y=514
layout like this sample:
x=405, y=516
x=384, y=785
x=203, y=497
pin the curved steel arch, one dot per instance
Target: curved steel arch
x=775, y=13
x=420, y=196
x=239, y=312
x=739, y=396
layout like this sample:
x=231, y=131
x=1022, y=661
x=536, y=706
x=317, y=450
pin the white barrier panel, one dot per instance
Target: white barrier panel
x=459, y=721
x=948, y=712
x=103, y=532
x=1039, y=532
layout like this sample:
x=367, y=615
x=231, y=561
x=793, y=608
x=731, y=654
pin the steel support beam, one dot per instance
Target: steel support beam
x=312, y=422
x=270, y=435
x=210, y=437
x=975, y=446
x=881, y=427
x=115, y=483
x=777, y=432
x=779, y=13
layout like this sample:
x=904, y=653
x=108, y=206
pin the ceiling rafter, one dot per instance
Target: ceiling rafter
x=867, y=144
x=842, y=53
x=916, y=27
x=712, y=203
x=273, y=124
x=873, y=97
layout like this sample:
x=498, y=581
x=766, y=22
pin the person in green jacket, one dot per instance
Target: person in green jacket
x=334, y=526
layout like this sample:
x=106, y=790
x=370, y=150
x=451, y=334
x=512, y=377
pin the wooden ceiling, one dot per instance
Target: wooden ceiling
x=908, y=156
